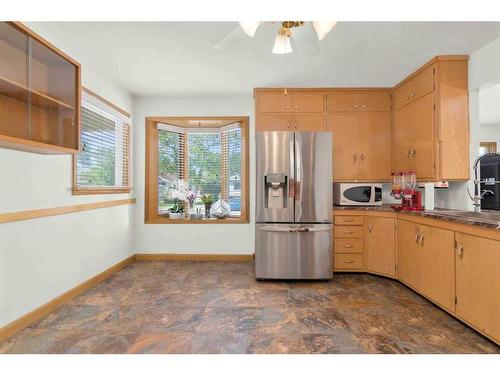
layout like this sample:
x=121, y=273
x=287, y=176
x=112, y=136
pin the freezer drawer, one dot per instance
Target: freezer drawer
x=293, y=251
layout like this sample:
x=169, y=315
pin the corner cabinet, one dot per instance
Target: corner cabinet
x=39, y=94
x=431, y=121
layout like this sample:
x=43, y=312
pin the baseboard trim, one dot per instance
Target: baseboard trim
x=35, y=315
x=244, y=258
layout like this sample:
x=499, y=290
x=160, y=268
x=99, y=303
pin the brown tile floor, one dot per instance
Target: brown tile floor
x=209, y=307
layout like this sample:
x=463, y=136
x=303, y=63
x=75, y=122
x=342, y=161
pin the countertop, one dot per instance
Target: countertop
x=485, y=219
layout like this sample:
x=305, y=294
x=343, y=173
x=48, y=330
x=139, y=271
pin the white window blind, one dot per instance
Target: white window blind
x=208, y=159
x=103, y=161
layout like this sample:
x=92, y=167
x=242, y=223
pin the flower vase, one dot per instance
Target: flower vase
x=207, y=210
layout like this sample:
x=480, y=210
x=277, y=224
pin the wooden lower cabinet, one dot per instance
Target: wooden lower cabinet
x=408, y=257
x=437, y=268
x=478, y=283
x=380, y=249
x=348, y=252
x=426, y=261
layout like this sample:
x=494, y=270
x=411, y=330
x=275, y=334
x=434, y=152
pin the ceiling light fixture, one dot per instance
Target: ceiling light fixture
x=250, y=27
x=323, y=27
x=282, y=43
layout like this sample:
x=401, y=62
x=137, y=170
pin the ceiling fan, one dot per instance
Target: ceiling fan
x=284, y=41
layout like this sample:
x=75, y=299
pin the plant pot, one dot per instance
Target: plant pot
x=196, y=216
x=176, y=215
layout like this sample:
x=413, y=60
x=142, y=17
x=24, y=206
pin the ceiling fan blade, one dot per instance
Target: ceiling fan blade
x=232, y=37
x=304, y=41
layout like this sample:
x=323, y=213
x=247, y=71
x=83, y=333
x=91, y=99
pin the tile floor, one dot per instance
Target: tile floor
x=212, y=307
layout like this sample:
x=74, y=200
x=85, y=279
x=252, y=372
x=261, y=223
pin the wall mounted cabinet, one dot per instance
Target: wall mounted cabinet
x=39, y=94
x=431, y=121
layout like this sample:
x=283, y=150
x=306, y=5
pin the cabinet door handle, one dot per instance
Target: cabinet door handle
x=417, y=236
x=348, y=219
x=296, y=106
x=355, y=157
x=460, y=251
x=348, y=246
x=407, y=97
x=346, y=231
x=362, y=157
x=421, y=241
x=412, y=94
x=287, y=107
x=370, y=228
x=363, y=106
x=413, y=153
x=408, y=154
x=348, y=261
x=355, y=106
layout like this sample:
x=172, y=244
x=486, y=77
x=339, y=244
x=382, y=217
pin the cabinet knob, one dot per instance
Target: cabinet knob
x=407, y=97
x=287, y=107
x=362, y=157
x=363, y=106
x=460, y=251
x=370, y=228
x=348, y=261
x=413, y=153
x=355, y=157
x=412, y=94
x=408, y=154
x=355, y=106
x=296, y=106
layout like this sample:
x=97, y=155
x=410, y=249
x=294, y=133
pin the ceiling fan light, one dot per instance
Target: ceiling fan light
x=282, y=44
x=250, y=27
x=323, y=27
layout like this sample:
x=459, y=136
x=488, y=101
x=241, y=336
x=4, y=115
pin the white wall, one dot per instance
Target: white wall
x=190, y=238
x=42, y=258
x=491, y=133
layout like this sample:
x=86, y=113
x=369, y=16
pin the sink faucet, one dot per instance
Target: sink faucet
x=477, y=183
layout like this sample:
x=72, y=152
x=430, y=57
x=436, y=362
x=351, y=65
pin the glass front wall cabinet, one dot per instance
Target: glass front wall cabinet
x=39, y=94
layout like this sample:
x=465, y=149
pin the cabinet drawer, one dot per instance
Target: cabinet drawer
x=416, y=87
x=348, y=231
x=342, y=245
x=307, y=102
x=348, y=261
x=349, y=220
x=358, y=101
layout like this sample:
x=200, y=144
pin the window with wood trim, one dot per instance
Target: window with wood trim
x=208, y=155
x=102, y=165
x=487, y=147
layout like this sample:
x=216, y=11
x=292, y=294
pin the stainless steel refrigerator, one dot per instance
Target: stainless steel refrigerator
x=293, y=238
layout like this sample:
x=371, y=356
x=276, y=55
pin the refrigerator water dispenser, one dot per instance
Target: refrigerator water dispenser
x=275, y=188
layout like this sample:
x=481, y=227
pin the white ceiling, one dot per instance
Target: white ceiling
x=489, y=105
x=149, y=58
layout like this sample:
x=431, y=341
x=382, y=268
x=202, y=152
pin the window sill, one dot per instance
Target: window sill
x=107, y=190
x=166, y=220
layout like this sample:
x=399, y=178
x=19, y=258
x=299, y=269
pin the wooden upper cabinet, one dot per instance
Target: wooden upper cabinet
x=307, y=102
x=273, y=101
x=361, y=146
x=414, y=88
x=358, y=101
x=39, y=94
x=414, y=138
x=478, y=283
x=375, y=146
x=309, y=122
x=346, y=137
x=294, y=101
x=273, y=122
x=380, y=245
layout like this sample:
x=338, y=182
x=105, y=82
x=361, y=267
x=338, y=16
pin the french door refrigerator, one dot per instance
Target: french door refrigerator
x=293, y=236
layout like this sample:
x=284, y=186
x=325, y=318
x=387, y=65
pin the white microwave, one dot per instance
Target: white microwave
x=357, y=194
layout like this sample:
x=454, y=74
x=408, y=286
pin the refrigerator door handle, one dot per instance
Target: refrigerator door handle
x=291, y=179
x=325, y=228
x=298, y=169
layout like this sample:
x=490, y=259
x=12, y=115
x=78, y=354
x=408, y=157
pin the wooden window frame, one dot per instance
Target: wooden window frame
x=151, y=215
x=93, y=190
x=492, y=146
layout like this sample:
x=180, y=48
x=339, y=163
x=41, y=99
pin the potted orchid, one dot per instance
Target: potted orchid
x=181, y=194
